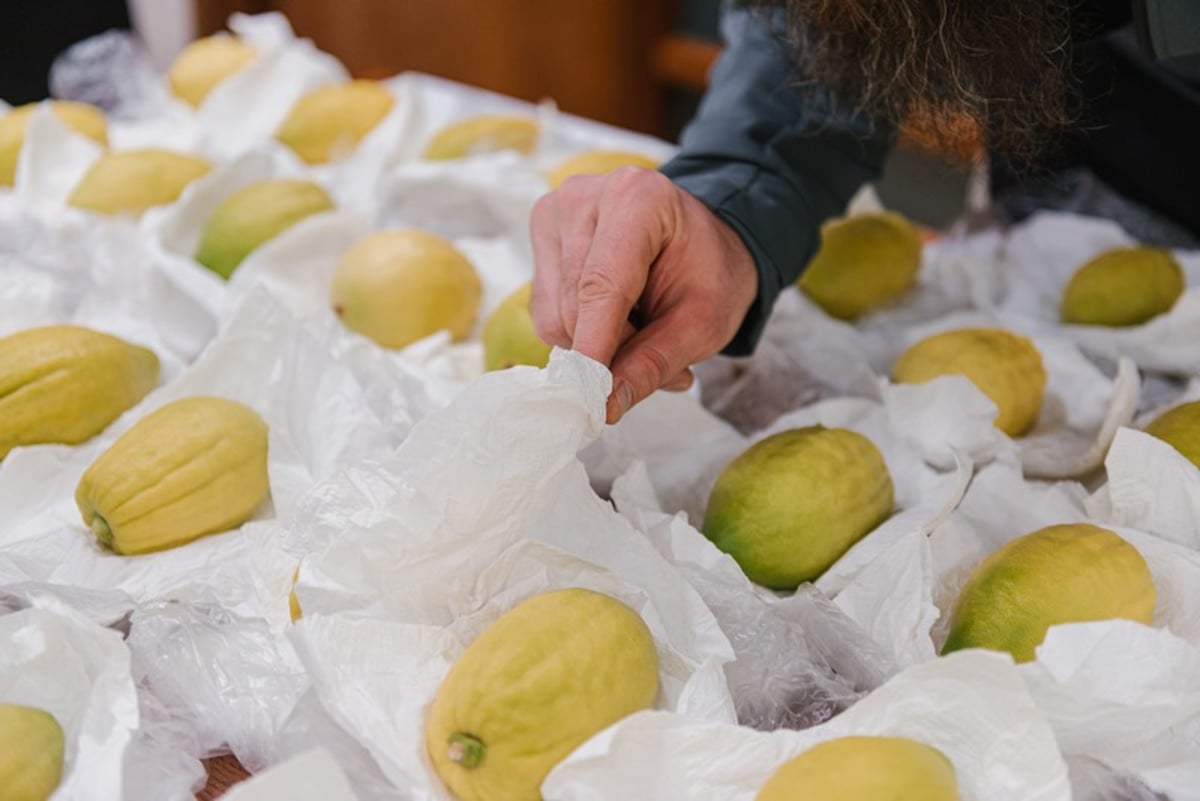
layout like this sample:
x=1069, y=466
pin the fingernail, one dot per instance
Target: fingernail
x=624, y=396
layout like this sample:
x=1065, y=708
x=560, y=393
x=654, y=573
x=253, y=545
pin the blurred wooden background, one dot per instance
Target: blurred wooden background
x=594, y=57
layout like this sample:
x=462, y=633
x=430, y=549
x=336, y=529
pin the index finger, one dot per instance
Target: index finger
x=630, y=233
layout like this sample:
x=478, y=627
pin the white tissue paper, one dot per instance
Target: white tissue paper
x=1041, y=256
x=54, y=659
x=1151, y=487
x=312, y=776
x=244, y=111
x=422, y=551
x=1091, y=679
x=1082, y=409
x=226, y=682
x=52, y=161
x=319, y=420
x=1125, y=695
x=173, y=232
x=973, y=707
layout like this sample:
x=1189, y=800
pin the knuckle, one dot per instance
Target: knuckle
x=652, y=363
x=596, y=285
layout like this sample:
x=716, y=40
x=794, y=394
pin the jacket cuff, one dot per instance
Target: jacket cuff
x=727, y=192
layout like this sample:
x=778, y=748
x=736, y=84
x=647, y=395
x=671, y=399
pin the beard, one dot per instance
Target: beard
x=942, y=66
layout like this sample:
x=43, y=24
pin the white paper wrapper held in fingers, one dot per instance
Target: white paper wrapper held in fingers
x=1091, y=679
x=318, y=420
x=972, y=707
x=1041, y=256
x=53, y=659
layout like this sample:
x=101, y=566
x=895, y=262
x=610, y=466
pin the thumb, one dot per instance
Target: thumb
x=648, y=361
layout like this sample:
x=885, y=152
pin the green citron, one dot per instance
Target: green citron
x=865, y=769
x=1180, y=428
x=1123, y=286
x=328, y=123
x=548, y=675
x=253, y=216
x=65, y=384
x=194, y=467
x=81, y=118
x=204, y=64
x=864, y=262
x=792, y=504
x=397, y=287
x=132, y=181
x=31, y=753
x=509, y=338
x=1004, y=366
x=483, y=134
x=597, y=162
x=1060, y=574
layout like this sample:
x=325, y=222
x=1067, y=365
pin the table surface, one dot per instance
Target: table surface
x=223, y=773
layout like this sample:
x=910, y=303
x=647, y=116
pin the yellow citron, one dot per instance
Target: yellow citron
x=253, y=216
x=293, y=601
x=132, y=181
x=1123, y=286
x=509, y=337
x=65, y=384
x=1060, y=574
x=400, y=286
x=864, y=262
x=554, y=671
x=483, y=134
x=1004, y=366
x=328, y=123
x=194, y=467
x=205, y=63
x=792, y=504
x=865, y=769
x=31, y=753
x=79, y=117
x=1180, y=428
x=597, y=162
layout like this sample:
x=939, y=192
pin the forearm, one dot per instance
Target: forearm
x=773, y=158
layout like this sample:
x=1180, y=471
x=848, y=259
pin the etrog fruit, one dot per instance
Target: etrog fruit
x=1004, y=366
x=204, y=64
x=792, y=504
x=328, y=123
x=400, y=286
x=509, y=337
x=81, y=118
x=483, y=134
x=864, y=262
x=865, y=769
x=253, y=216
x=131, y=181
x=1122, y=287
x=31, y=753
x=65, y=384
x=196, y=466
x=1059, y=574
x=549, y=674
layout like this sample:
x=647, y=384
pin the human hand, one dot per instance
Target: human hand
x=632, y=245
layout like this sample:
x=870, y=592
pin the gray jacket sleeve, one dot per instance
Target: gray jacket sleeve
x=772, y=157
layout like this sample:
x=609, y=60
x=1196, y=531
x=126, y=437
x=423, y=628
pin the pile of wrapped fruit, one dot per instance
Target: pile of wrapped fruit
x=286, y=474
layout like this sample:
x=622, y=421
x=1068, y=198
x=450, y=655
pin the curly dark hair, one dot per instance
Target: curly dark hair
x=1002, y=65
